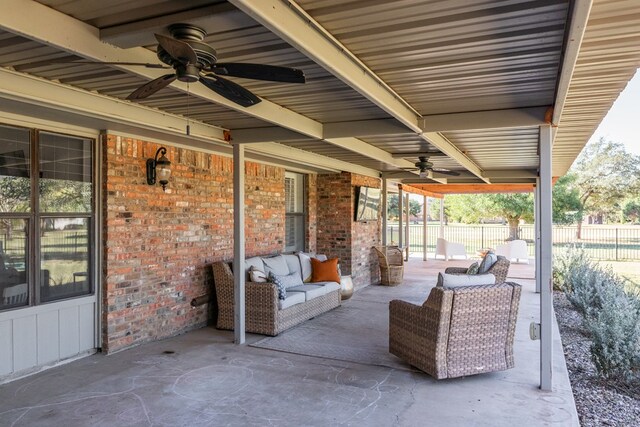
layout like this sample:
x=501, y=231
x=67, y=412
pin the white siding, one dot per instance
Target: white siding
x=46, y=334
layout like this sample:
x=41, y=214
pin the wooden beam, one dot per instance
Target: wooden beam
x=493, y=119
x=475, y=188
x=415, y=190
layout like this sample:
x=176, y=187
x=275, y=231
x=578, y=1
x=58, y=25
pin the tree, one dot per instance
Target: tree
x=513, y=207
x=392, y=202
x=567, y=208
x=631, y=210
x=605, y=173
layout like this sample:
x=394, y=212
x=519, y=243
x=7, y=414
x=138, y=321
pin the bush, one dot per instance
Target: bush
x=615, y=335
x=569, y=268
x=610, y=310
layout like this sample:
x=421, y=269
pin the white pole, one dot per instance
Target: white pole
x=400, y=220
x=442, y=217
x=424, y=228
x=546, y=247
x=384, y=211
x=536, y=199
x=238, y=245
x=408, y=242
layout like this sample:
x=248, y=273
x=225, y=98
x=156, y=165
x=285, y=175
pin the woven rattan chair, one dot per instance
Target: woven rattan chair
x=391, y=265
x=457, y=332
x=500, y=269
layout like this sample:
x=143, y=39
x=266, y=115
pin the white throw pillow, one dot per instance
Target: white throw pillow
x=457, y=280
x=256, y=275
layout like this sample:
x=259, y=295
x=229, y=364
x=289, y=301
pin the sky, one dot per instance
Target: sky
x=622, y=123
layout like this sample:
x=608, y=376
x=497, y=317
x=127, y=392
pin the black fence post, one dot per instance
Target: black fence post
x=616, y=243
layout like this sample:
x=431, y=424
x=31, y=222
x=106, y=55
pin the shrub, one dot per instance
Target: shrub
x=615, y=334
x=610, y=308
x=569, y=266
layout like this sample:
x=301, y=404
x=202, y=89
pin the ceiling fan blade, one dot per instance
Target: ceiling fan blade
x=270, y=73
x=230, y=90
x=152, y=87
x=446, y=172
x=178, y=49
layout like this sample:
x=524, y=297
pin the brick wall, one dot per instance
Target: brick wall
x=364, y=262
x=158, y=246
x=334, y=217
x=339, y=235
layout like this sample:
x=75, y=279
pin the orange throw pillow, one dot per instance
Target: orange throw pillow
x=324, y=271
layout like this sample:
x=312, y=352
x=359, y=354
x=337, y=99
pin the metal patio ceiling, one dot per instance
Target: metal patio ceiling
x=437, y=58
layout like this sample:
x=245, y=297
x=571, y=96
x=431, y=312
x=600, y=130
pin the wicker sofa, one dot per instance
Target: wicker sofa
x=264, y=312
x=457, y=331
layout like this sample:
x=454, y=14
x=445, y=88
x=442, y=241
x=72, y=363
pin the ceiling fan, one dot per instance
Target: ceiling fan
x=193, y=60
x=424, y=166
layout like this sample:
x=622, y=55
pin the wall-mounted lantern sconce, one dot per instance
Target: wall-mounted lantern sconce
x=159, y=169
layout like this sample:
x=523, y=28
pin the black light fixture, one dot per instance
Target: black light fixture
x=159, y=168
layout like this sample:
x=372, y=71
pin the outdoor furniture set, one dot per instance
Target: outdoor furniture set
x=466, y=326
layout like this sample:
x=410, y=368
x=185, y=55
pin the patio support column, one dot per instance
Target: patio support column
x=536, y=228
x=442, y=217
x=424, y=228
x=406, y=215
x=400, y=219
x=385, y=210
x=546, y=247
x=238, y=245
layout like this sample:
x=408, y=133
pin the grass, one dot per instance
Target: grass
x=627, y=270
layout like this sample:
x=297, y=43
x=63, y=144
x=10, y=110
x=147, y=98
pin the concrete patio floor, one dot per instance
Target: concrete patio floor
x=202, y=378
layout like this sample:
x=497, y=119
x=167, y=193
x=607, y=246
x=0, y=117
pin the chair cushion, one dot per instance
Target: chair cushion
x=291, y=299
x=310, y=291
x=282, y=290
x=276, y=265
x=289, y=280
x=487, y=262
x=324, y=271
x=457, y=280
x=473, y=268
x=257, y=276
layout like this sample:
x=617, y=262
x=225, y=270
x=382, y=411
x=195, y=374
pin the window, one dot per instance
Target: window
x=46, y=216
x=294, y=212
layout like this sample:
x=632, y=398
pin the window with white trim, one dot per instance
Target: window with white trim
x=46, y=216
x=294, y=212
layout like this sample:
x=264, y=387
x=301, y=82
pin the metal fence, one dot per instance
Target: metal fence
x=603, y=243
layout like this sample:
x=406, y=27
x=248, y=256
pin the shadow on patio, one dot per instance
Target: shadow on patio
x=201, y=378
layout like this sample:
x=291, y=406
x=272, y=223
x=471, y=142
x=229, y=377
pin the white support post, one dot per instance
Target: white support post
x=546, y=247
x=425, y=206
x=442, y=217
x=536, y=204
x=406, y=230
x=385, y=211
x=400, y=219
x=238, y=245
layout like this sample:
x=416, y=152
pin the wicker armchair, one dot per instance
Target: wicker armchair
x=500, y=269
x=457, y=332
x=391, y=265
